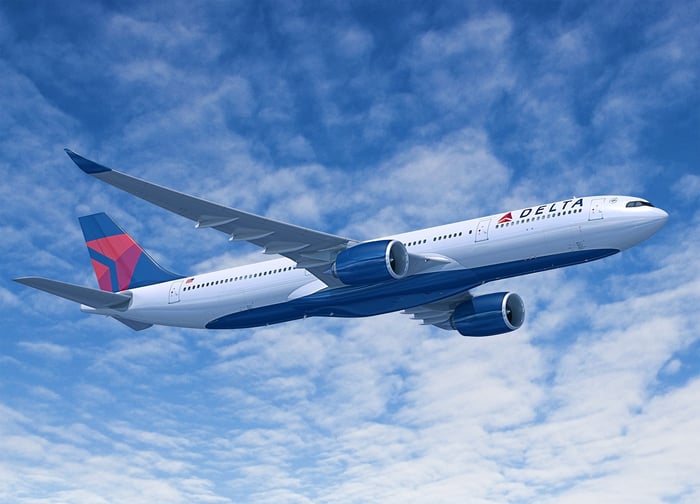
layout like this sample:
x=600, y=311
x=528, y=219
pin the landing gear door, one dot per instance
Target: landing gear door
x=596, y=209
x=174, y=292
x=482, y=230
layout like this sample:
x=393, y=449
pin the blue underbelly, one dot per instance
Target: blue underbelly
x=416, y=290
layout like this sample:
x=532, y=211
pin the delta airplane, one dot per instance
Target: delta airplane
x=429, y=273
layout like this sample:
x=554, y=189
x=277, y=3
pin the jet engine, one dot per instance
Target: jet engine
x=490, y=314
x=372, y=262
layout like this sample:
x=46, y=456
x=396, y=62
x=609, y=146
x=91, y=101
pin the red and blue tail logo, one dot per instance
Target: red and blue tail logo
x=119, y=262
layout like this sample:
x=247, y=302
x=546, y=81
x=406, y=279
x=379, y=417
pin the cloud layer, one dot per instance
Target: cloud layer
x=360, y=120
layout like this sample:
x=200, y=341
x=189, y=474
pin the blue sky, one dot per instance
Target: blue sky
x=360, y=120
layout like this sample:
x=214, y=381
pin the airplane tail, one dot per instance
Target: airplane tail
x=119, y=262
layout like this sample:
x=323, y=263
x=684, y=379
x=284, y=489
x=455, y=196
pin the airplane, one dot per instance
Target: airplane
x=429, y=273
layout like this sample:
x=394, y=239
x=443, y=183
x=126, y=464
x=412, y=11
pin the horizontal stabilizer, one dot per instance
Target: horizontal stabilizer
x=84, y=295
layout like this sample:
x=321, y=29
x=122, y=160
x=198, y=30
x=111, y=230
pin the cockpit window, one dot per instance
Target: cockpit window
x=638, y=203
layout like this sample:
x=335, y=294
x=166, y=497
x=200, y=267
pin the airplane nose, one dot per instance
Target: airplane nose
x=657, y=219
x=661, y=216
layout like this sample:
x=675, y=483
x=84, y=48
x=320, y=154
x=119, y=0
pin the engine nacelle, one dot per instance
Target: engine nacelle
x=490, y=314
x=372, y=262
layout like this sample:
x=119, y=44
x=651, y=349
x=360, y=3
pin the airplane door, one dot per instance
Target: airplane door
x=482, y=230
x=596, y=209
x=174, y=292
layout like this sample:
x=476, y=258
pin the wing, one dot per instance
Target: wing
x=440, y=312
x=312, y=250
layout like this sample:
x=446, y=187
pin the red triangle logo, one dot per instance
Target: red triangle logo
x=506, y=218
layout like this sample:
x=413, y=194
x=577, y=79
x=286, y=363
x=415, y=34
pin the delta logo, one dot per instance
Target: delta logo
x=506, y=218
x=559, y=206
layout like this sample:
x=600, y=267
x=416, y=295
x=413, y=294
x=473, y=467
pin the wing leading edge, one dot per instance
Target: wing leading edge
x=312, y=250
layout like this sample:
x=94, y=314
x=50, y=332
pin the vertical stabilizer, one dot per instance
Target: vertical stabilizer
x=119, y=262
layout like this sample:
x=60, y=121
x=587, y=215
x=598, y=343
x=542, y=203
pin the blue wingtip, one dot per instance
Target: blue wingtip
x=85, y=164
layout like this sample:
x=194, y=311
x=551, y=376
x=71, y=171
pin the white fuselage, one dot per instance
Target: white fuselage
x=496, y=246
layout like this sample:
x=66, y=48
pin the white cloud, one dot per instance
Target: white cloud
x=46, y=350
x=354, y=42
x=464, y=67
x=672, y=367
x=489, y=33
x=688, y=187
x=462, y=174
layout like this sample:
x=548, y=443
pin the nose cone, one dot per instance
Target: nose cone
x=634, y=224
x=657, y=219
x=650, y=222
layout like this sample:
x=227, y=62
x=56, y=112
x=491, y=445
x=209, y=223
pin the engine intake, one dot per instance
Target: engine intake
x=490, y=314
x=372, y=262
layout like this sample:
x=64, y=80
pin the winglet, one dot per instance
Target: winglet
x=86, y=165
